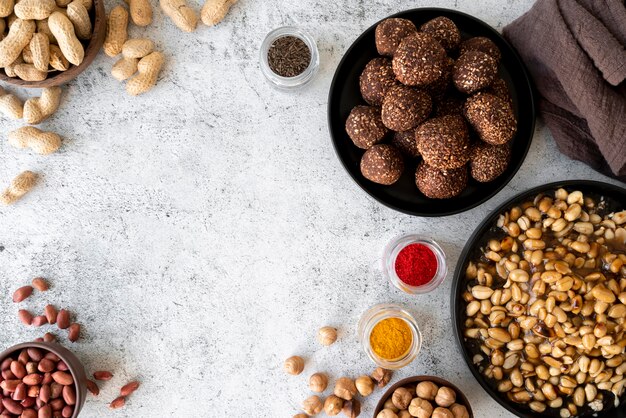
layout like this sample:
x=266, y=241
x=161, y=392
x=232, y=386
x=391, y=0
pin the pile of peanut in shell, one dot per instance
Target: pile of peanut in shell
x=545, y=305
x=44, y=36
x=423, y=400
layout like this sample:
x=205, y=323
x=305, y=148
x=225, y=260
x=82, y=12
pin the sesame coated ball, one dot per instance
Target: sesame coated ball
x=491, y=117
x=444, y=31
x=376, y=79
x=365, y=126
x=501, y=89
x=487, y=162
x=419, y=60
x=404, y=108
x=440, y=184
x=474, y=71
x=382, y=164
x=482, y=44
x=441, y=86
x=444, y=142
x=390, y=32
x=405, y=142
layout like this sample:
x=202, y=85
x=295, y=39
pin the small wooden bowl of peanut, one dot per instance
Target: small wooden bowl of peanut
x=423, y=397
x=47, y=43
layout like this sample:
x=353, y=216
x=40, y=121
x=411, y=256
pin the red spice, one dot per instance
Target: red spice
x=416, y=264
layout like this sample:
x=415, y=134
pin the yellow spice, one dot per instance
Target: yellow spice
x=391, y=338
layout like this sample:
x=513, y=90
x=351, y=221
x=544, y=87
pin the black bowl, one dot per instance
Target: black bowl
x=616, y=200
x=404, y=195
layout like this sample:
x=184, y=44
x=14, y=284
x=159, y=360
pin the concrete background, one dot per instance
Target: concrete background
x=203, y=232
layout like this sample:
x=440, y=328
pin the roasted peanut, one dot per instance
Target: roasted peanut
x=39, y=141
x=214, y=11
x=181, y=14
x=20, y=33
x=63, y=30
x=38, y=109
x=79, y=16
x=20, y=185
x=117, y=31
x=148, y=70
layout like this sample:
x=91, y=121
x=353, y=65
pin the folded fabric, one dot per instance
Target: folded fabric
x=575, y=52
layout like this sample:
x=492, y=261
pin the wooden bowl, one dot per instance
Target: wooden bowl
x=56, y=78
x=460, y=397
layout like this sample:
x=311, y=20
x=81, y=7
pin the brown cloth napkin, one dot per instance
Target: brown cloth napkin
x=575, y=52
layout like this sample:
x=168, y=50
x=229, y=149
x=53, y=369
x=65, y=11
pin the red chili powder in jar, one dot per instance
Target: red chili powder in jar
x=416, y=264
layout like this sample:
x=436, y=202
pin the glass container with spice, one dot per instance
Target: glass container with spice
x=289, y=58
x=414, y=264
x=389, y=335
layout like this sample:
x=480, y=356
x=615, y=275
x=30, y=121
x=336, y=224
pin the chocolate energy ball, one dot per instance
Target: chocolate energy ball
x=491, y=117
x=444, y=31
x=482, y=44
x=487, y=161
x=419, y=60
x=444, y=142
x=382, y=164
x=376, y=79
x=405, y=142
x=441, y=86
x=365, y=126
x=390, y=32
x=440, y=184
x=474, y=71
x=404, y=108
x=501, y=89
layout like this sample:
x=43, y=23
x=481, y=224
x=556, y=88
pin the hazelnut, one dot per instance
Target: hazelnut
x=312, y=405
x=442, y=413
x=426, y=390
x=459, y=411
x=389, y=405
x=364, y=385
x=386, y=413
x=420, y=408
x=318, y=382
x=327, y=335
x=382, y=376
x=345, y=388
x=445, y=397
x=401, y=398
x=294, y=365
x=352, y=409
x=404, y=414
x=333, y=405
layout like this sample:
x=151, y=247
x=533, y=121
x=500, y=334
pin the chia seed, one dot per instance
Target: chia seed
x=289, y=56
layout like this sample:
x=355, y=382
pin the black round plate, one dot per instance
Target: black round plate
x=616, y=200
x=404, y=195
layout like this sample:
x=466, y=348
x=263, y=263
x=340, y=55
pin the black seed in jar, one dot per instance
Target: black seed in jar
x=488, y=162
x=365, y=126
x=405, y=142
x=390, y=32
x=444, y=31
x=474, y=71
x=288, y=56
x=501, y=89
x=441, y=86
x=404, y=108
x=376, y=79
x=444, y=142
x=482, y=44
x=419, y=60
x=440, y=184
x=382, y=164
x=449, y=105
x=491, y=117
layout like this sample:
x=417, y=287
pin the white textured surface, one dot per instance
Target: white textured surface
x=204, y=231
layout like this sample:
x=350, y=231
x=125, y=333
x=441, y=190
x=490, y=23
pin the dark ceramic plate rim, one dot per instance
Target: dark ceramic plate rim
x=480, y=230
x=363, y=184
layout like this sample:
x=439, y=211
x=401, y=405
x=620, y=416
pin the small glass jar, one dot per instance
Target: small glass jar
x=389, y=263
x=373, y=316
x=289, y=83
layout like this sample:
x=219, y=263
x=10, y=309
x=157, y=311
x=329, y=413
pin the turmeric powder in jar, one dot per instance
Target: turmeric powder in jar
x=389, y=335
x=391, y=338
